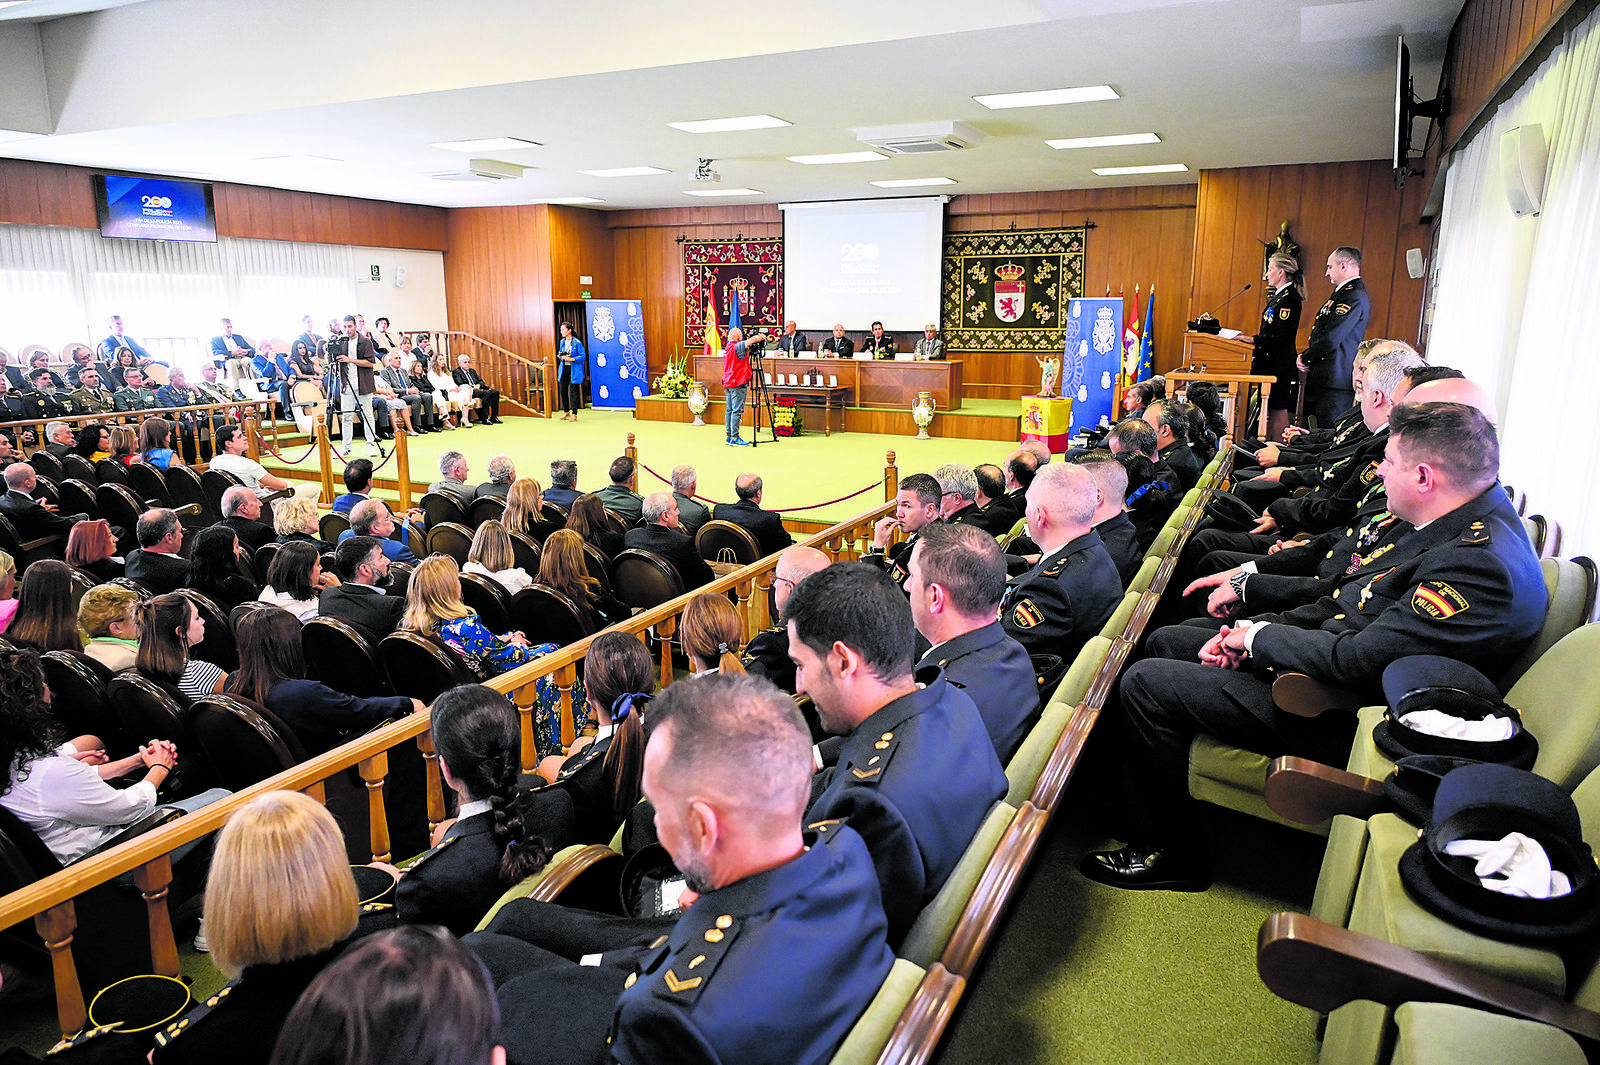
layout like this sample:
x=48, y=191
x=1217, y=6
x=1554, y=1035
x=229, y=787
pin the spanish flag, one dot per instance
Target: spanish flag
x=713, y=342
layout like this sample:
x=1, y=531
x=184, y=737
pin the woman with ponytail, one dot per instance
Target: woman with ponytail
x=489, y=846
x=712, y=635
x=603, y=774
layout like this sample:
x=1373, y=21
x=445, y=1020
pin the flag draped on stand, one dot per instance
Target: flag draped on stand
x=1147, y=341
x=713, y=342
x=1130, y=350
x=733, y=313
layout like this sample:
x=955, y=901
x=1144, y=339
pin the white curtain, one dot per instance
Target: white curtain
x=1517, y=301
x=61, y=285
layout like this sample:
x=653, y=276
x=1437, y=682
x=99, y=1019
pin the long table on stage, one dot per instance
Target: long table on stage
x=876, y=383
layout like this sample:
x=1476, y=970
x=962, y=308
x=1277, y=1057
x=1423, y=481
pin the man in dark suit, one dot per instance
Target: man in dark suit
x=1336, y=333
x=361, y=565
x=227, y=346
x=117, y=340
x=157, y=564
x=502, y=471
x=617, y=496
x=660, y=535
x=80, y=360
x=58, y=439
x=930, y=347
x=838, y=345
x=315, y=344
x=996, y=514
x=32, y=518
x=958, y=498
x=765, y=525
x=467, y=374
x=241, y=512
x=792, y=342
x=563, y=490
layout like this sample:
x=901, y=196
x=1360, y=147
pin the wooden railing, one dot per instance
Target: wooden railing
x=520, y=380
x=233, y=412
x=49, y=902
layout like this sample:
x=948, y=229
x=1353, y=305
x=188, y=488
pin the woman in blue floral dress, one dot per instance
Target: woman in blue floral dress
x=434, y=607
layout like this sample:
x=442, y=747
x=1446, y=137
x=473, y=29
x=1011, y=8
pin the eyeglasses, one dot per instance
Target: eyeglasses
x=785, y=580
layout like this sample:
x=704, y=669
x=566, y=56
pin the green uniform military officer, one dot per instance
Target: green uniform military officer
x=135, y=396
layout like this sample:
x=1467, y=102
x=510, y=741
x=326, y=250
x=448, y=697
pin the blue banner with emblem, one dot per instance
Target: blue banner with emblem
x=616, y=353
x=1091, y=359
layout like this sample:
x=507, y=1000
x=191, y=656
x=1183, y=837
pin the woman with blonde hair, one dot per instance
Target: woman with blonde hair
x=281, y=904
x=712, y=635
x=457, y=396
x=491, y=556
x=525, y=510
x=562, y=566
x=92, y=549
x=124, y=449
x=8, y=589
x=108, y=619
x=295, y=521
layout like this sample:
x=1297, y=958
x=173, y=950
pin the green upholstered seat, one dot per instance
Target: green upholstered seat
x=871, y=1033
x=1433, y=1033
x=1022, y=772
x=1075, y=683
x=525, y=887
x=1234, y=778
x=931, y=932
x=1118, y=621
x=1147, y=573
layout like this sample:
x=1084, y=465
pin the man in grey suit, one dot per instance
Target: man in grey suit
x=931, y=346
x=423, y=415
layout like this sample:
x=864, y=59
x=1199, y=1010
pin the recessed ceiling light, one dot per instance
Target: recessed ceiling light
x=1159, y=168
x=570, y=201
x=303, y=160
x=837, y=157
x=626, y=171
x=1104, y=142
x=728, y=125
x=1083, y=94
x=487, y=144
x=912, y=183
x=722, y=192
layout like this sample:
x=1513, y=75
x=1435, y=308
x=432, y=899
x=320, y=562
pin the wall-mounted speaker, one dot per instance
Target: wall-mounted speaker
x=1415, y=263
x=1523, y=158
x=399, y=277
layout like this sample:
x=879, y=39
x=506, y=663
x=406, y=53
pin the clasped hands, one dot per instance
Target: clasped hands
x=1226, y=650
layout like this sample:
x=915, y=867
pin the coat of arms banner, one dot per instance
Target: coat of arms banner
x=1007, y=290
x=748, y=270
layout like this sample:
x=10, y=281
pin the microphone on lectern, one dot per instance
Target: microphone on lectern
x=1207, y=323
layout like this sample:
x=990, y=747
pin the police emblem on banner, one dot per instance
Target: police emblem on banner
x=1105, y=332
x=1010, y=292
x=605, y=327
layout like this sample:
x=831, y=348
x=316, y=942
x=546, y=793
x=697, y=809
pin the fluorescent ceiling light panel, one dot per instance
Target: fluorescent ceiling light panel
x=1104, y=142
x=571, y=201
x=626, y=171
x=1046, y=97
x=487, y=144
x=1159, y=168
x=728, y=125
x=837, y=157
x=912, y=183
x=722, y=192
x=302, y=160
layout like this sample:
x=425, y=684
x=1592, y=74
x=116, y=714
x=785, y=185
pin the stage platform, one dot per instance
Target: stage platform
x=977, y=419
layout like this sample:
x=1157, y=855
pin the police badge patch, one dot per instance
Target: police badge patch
x=1283, y=314
x=1027, y=615
x=1437, y=600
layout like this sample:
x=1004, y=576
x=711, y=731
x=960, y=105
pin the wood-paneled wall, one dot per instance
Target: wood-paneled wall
x=1326, y=205
x=1490, y=46
x=47, y=194
x=581, y=246
x=497, y=277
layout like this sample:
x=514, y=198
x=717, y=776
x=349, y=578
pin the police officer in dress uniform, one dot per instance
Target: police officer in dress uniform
x=767, y=654
x=1273, y=346
x=91, y=397
x=1335, y=334
x=44, y=401
x=916, y=504
x=1465, y=584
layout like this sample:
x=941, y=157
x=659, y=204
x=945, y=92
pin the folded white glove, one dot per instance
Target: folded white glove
x=1515, y=865
x=1445, y=726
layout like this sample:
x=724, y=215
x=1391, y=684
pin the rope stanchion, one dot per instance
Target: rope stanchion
x=781, y=510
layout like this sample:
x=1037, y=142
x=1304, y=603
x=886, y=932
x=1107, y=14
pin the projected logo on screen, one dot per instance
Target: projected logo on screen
x=858, y=258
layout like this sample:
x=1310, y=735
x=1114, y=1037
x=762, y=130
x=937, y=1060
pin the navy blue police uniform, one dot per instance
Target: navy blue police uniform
x=1055, y=607
x=1336, y=333
x=996, y=672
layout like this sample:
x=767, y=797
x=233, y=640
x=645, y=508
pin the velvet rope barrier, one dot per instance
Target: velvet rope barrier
x=782, y=510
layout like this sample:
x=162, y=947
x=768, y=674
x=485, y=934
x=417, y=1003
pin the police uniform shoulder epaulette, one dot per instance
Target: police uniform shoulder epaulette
x=1056, y=567
x=429, y=854
x=81, y=1038
x=871, y=772
x=691, y=969
x=187, y=1022
x=590, y=752
x=1477, y=533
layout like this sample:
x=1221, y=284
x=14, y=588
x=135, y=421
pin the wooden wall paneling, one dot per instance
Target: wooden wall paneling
x=22, y=193
x=581, y=244
x=1251, y=227
x=1382, y=226
x=322, y=219
x=1492, y=43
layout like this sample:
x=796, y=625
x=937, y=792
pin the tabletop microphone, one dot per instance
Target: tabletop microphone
x=1207, y=323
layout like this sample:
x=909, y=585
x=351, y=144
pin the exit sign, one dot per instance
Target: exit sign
x=587, y=294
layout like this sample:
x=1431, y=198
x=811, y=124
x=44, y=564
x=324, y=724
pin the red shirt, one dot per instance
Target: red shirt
x=735, y=365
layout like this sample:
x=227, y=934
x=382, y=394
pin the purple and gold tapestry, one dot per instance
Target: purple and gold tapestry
x=1007, y=290
x=750, y=271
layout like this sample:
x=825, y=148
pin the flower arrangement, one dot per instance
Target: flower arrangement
x=674, y=384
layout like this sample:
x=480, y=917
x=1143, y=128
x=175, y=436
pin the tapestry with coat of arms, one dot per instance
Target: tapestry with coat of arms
x=1007, y=290
x=750, y=271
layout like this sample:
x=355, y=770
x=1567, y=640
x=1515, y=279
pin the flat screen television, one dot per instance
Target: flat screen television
x=147, y=208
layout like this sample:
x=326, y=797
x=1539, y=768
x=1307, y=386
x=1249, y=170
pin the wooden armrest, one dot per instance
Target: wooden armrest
x=916, y=1034
x=595, y=868
x=1323, y=966
x=1303, y=696
x=41, y=543
x=1309, y=792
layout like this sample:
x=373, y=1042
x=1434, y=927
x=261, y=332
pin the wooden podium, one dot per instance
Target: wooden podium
x=1217, y=355
x=1234, y=387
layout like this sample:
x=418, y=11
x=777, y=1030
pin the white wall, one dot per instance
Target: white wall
x=418, y=304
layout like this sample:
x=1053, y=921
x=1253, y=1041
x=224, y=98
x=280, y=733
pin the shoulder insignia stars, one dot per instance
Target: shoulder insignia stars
x=1477, y=533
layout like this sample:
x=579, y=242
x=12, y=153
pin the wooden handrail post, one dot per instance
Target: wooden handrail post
x=252, y=435
x=402, y=463
x=56, y=926
x=633, y=453
x=435, y=783
x=665, y=630
x=891, y=478
x=153, y=880
x=566, y=679
x=325, y=460
x=525, y=708
x=373, y=770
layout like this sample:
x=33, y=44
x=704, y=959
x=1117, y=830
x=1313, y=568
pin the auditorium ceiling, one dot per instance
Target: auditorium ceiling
x=349, y=97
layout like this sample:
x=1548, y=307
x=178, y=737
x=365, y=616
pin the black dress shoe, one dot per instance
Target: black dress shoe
x=1147, y=869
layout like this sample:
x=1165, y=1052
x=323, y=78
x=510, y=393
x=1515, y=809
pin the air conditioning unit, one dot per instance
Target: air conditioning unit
x=921, y=138
x=484, y=170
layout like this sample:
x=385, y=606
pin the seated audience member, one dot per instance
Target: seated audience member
x=1141, y=394
x=90, y=396
x=618, y=497
x=957, y=579
x=45, y=619
x=916, y=505
x=124, y=449
x=31, y=518
x=502, y=471
x=454, y=397
x=295, y=580
x=214, y=568
x=434, y=608
x=765, y=525
x=280, y=906
x=877, y=343
x=490, y=556
x=768, y=653
x=691, y=512
x=8, y=590
x=1170, y=419
x=155, y=442
x=229, y=345
x=562, y=567
x=1111, y=521
x=488, y=399
x=838, y=345
x=731, y=751
x=1207, y=426
x=930, y=347
x=58, y=788
x=563, y=490
x=92, y=548
x=231, y=458
x=711, y=633
x=1464, y=584
x=241, y=512
x=134, y=395
x=601, y=773
x=43, y=400
x=176, y=394
x=362, y=566
x=92, y=442
x=996, y=515
x=272, y=671
x=79, y=359
x=1039, y=450
x=411, y=994
x=588, y=520
x=958, y=487
x=357, y=483
x=525, y=511
x=8, y=449
x=851, y=636
x=371, y=517
x=660, y=535
x=168, y=626
x=296, y=521
x=489, y=845
x=59, y=439
x=1055, y=607
x=156, y=563
x=1020, y=468
x=109, y=616
x=452, y=480
x=1154, y=491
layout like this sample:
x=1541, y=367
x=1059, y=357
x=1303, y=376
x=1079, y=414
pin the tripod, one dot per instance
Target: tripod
x=760, y=398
